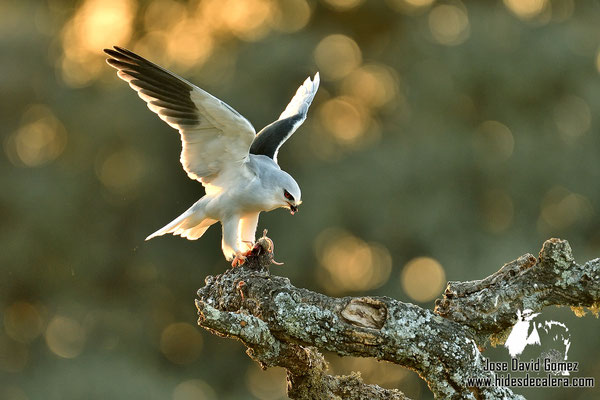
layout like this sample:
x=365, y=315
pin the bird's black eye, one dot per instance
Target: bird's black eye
x=288, y=195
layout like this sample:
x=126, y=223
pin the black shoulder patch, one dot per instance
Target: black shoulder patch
x=272, y=136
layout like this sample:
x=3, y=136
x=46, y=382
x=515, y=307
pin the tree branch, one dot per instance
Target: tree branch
x=489, y=306
x=282, y=325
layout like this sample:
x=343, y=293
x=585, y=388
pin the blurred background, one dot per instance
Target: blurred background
x=447, y=138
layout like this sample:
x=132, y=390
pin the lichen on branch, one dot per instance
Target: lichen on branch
x=282, y=325
x=489, y=306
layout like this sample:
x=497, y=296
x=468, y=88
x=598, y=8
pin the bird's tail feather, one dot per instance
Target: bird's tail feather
x=188, y=225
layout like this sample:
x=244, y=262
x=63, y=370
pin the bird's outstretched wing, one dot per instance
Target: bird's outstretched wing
x=214, y=136
x=271, y=137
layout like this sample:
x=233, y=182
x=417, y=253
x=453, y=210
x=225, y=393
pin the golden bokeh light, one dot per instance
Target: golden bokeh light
x=498, y=210
x=13, y=355
x=291, y=16
x=194, y=389
x=152, y=46
x=343, y=5
x=81, y=70
x=423, y=279
x=181, y=343
x=102, y=22
x=65, y=337
x=449, y=24
x=374, y=84
x=174, y=35
x=41, y=138
x=409, y=6
x=324, y=146
x=189, y=43
x=493, y=142
x=266, y=384
x=345, y=119
x=22, y=322
x=337, y=56
x=560, y=209
x=425, y=107
x=572, y=117
x=248, y=20
x=121, y=171
x=192, y=35
x=526, y=9
x=419, y=3
x=163, y=15
x=96, y=24
x=351, y=264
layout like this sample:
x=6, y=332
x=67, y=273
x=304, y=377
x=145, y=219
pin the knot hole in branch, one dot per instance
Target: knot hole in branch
x=365, y=312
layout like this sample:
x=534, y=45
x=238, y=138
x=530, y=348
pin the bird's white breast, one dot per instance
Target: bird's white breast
x=243, y=192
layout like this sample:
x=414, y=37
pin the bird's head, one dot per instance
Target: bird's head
x=286, y=192
x=292, y=202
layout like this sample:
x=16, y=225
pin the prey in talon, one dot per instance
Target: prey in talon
x=263, y=247
x=220, y=148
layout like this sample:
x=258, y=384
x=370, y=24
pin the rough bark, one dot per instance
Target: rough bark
x=282, y=325
x=488, y=306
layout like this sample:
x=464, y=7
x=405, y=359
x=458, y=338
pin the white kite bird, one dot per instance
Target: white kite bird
x=221, y=149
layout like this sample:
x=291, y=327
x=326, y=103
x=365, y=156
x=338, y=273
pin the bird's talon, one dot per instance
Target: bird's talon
x=239, y=260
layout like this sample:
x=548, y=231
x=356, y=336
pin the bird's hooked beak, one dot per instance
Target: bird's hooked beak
x=293, y=208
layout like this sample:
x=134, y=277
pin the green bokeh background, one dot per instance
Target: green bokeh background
x=428, y=180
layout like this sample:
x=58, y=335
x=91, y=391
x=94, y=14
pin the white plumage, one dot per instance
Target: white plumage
x=220, y=148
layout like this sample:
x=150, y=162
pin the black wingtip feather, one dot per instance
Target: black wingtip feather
x=130, y=54
x=118, y=64
x=149, y=79
x=112, y=53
